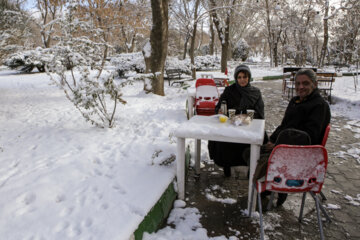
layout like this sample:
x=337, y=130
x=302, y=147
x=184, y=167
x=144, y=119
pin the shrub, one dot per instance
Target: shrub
x=241, y=50
x=87, y=85
x=128, y=62
x=26, y=61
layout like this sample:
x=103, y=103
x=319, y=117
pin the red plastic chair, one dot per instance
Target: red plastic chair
x=323, y=143
x=207, y=96
x=294, y=169
x=326, y=135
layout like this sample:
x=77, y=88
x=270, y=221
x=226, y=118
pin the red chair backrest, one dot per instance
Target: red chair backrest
x=207, y=96
x=204, y=81
x=206, y=90
x=294, y=168
x=326, y=135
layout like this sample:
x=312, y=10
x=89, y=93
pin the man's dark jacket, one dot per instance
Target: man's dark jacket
x=311, y=115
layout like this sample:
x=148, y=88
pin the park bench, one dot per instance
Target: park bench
x=325, y=84
x=339, y=67
x=174, y=76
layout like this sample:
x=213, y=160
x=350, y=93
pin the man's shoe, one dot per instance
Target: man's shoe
x=227, y=171
x=281, y=199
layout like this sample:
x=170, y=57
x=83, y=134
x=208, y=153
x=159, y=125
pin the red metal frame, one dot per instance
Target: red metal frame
x=326, y=134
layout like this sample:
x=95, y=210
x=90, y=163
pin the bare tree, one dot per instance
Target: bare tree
x=193, y=36
x=183, y=12
x=222, y=26
x=326, y=34
x=212, y=35
x=49, y=10
x=159, y=42
x=137, y=29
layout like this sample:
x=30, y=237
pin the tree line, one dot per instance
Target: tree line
x=298, y=32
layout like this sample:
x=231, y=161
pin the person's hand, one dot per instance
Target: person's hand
x=268, y=147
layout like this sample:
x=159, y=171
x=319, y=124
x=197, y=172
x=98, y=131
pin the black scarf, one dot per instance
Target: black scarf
x=249, y=98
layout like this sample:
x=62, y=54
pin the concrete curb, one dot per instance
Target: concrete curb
x=158, y=214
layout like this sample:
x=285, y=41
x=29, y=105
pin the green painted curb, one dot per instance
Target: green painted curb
x=273, y=77
x=160, y=211
x=157, y=215
x=349, y=74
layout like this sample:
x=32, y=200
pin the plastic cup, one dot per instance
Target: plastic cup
x=250, y=113
x=232, y=113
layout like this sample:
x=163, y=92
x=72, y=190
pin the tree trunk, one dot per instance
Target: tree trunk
x=326, y=35
x=185, y=45
x=223, y=33
x=268, y=24
x=276, y=60
x=212, y=37
x=192, y=42
x=159, y=43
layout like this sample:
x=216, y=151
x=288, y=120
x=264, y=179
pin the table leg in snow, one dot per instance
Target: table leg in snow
x=254, y=156
x=180, y=167
x=197, y=155
x=190, y=101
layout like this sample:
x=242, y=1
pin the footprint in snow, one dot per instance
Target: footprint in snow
x=66, y=211
x=87, y=222
x=119, y=189
x=61, y=226
x=33, y=147
x=97, y=161
x=27, y=198
x=98, y=172
x=60, y=198
x=74, y=231
x=104, y=206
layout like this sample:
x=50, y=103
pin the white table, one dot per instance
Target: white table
x=210, y=128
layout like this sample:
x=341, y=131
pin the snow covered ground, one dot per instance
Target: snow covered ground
x=61, y=178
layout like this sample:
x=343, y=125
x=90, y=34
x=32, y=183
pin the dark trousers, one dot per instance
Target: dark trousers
x=226, y=154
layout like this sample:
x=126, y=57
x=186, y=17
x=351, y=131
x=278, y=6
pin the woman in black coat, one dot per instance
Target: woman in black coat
x=240, y=96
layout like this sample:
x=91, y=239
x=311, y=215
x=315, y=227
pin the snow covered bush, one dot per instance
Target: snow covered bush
x=15, y=31
x=201, y=63
x=205, y=50
x=26, y=61
x=241, y=50
x=87, y=85
x=175, y=63
x=128, y=62
x=208, y=62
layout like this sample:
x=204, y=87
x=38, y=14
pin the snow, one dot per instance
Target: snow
x=213, y=198
x=61, y=178
x=332, y=206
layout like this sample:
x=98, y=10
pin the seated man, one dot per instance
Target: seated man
x=307, y=112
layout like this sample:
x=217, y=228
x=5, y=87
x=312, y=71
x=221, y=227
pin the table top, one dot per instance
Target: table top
x=210, y=128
